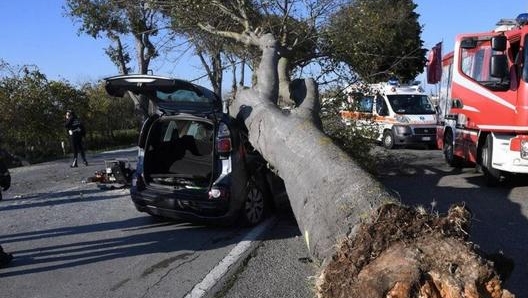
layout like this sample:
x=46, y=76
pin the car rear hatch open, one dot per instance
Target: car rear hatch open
x=179, y=141
x=179, y=153
x=169, y=95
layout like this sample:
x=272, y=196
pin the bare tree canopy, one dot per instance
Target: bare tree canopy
x=117, y=20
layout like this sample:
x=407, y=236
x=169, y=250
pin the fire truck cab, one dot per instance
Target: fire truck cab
x=401, y=114
x=483, y=101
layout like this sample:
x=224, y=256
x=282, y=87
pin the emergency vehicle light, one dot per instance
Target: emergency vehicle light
x=393, y=82
x=522, y=19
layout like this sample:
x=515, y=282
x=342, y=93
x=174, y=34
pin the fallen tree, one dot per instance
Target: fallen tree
x=368, y=244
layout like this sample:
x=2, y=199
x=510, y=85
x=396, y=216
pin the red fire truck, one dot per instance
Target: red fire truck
x=483, y=101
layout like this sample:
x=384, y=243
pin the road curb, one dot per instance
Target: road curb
x=215, y=280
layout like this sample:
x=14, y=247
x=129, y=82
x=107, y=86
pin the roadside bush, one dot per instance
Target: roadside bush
x=357, y=140
x=118, y=139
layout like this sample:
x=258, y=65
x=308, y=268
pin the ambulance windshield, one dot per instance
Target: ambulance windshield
x=413, y=104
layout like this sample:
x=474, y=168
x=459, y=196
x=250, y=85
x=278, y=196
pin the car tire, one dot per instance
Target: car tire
x=388, y=139
x=449, y=151
x=492, y=177
x=255, y=206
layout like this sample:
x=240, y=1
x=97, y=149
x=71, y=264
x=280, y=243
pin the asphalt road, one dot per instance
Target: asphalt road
x=73, y=239
x=279, y=267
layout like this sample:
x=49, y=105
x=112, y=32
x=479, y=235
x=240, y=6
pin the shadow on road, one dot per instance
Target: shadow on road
x=57, y=198
x=107, y=240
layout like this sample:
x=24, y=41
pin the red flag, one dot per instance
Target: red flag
x=434, y=64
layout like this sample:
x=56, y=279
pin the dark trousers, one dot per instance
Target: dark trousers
x=77, y=146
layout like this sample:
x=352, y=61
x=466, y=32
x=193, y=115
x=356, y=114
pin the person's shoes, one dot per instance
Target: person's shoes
x=85, y=163
x=74, y=163
x=73, y=166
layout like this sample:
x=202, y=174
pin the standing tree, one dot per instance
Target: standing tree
x=209, y=48
x=117, y=20
x=377, y=38
x=295, y=23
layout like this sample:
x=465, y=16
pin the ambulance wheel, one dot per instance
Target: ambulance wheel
x=492, y=177
x=388, y=139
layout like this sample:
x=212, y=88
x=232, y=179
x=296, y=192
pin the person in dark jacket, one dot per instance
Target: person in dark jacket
x=5, y=177
x=5, y=182
x=76, y=132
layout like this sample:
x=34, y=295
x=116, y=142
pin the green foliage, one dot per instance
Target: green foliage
x=32, y=110
x=355, y=139
x=378, y=38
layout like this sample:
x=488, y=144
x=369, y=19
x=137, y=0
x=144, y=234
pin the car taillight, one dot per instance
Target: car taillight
x=223, y=140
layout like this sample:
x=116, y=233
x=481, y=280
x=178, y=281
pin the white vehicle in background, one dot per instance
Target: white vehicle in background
x=403, y=114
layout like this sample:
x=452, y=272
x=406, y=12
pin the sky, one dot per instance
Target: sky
x=36, y=32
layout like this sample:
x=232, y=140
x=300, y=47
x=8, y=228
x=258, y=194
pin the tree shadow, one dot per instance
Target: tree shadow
x=78, y=245
x=143, y=236
x=44, y=199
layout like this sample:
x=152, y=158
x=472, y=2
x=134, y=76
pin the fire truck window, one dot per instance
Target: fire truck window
x=476, y=63
x=472, y=64
x=523, y=61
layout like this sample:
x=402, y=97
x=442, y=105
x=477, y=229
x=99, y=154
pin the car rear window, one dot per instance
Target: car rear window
x=182, y=96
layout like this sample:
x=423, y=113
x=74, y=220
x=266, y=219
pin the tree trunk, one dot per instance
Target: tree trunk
x=284, y=83
x=368, y=245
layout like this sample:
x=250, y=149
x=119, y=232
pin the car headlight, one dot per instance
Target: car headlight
x=402, y=119
x=402, y=130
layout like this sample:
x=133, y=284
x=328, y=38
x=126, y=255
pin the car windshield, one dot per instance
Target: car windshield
x=180, y=96
x=411, y=104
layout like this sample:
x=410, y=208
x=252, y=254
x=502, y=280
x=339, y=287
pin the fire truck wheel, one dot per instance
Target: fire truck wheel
x=449, y=151
x=492, y=177
x=388, y=139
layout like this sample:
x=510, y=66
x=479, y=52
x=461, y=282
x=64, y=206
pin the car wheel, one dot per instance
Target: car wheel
x=449, y=151
x=254, y=209
x=492, y=177
x=388, y=139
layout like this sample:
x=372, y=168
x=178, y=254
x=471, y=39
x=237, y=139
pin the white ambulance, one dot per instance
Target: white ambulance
x=403, y=114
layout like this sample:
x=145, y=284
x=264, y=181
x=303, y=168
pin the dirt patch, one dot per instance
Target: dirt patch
x=407, y=252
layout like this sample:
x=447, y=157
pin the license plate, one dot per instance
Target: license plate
x=426, y=138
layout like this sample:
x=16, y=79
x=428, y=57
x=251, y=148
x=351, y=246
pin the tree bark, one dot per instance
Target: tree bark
x=336, y=204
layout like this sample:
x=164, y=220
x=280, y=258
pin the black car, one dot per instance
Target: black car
x=195, y=162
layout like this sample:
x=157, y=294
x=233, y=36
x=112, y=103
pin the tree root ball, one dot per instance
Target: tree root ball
x=407, y=252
